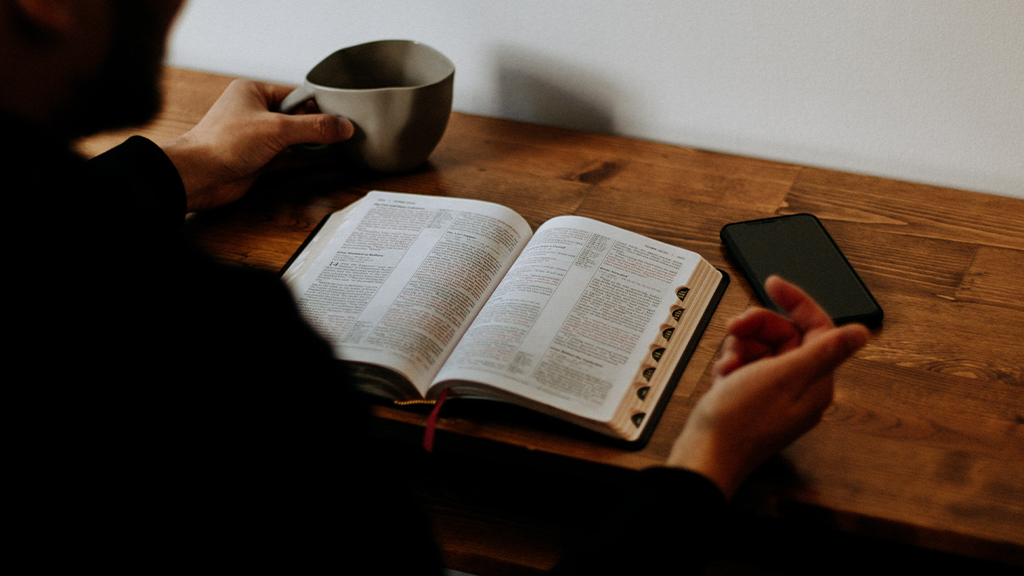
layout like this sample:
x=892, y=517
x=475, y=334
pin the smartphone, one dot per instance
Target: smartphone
x=799, y=249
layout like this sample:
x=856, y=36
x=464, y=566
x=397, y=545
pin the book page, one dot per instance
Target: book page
x=574, y=317
x=396, y=279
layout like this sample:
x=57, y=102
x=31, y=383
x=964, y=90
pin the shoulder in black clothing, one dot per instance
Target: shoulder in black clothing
x=168, y=410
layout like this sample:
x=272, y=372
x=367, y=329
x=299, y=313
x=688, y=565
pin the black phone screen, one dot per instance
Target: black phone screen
x=800, y=250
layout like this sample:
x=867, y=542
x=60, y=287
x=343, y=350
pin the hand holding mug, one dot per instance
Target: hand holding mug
x=397, y=94
x=220, y=158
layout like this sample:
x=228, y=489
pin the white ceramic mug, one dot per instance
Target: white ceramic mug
x=397, y=93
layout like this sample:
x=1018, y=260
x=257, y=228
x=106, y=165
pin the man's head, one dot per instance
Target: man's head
x=83, y=65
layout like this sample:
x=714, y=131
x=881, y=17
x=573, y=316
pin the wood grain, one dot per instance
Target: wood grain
x=925, y=441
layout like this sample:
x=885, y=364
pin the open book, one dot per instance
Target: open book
x=581, y=320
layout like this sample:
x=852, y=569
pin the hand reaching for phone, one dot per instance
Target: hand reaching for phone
x=771, y=385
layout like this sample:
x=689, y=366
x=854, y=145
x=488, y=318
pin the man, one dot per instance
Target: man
x=170, y=412
x=163, y=411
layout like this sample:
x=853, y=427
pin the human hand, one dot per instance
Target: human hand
x=221, y=157
x=771, y=385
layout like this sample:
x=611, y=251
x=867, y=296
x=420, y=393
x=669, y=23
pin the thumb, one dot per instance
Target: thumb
x=313, y=129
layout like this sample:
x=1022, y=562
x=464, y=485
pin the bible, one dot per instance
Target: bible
x=579, y=320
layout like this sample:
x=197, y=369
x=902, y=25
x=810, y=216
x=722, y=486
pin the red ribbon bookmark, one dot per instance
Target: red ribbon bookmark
x=428, y=434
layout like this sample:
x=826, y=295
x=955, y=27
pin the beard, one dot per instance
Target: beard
x=126, y=90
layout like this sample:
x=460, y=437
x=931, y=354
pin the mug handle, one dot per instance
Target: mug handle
x=295, y=98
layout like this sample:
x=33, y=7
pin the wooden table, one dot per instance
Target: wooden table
x=924, y=444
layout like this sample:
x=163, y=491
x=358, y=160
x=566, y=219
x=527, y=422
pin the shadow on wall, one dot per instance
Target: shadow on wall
x=534, y=88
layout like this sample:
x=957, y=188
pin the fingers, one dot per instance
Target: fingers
x=309, y=128
x=755, y=334
x=737, y=352
x=818, y=358
x=731, y=359
x=252, y=105
x=273, y=93
x=270, y=95
x=763, y=325
x=802, y=309
x=758, y=333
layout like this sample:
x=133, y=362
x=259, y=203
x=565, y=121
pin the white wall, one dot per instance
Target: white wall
x=924, y=90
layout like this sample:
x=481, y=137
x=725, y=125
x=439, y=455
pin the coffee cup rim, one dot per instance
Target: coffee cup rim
x=446, y=61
